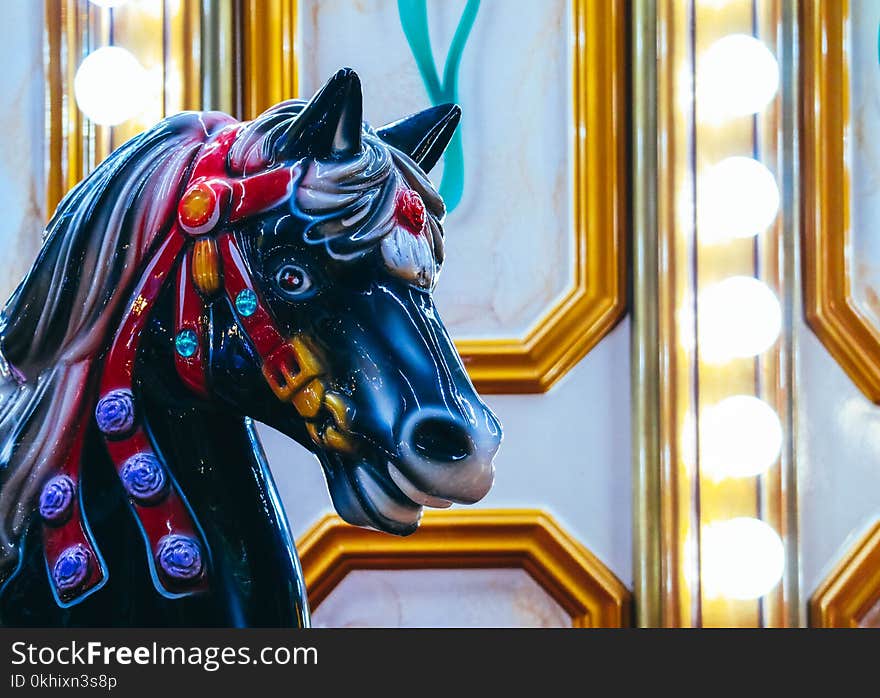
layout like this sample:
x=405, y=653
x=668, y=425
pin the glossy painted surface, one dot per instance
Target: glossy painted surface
x=291, y=283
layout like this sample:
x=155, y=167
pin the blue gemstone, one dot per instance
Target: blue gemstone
x=186, y=343
x=246, y=303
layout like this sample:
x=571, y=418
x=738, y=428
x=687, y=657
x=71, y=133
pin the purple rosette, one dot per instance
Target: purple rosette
x=56, y=499
x=144, y=478
x=72, y=568
x=115, y=413
x=180, y=557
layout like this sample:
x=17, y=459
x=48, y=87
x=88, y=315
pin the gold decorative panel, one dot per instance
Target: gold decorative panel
x=850, y=596
x=268, y=45
x=476, y=539
x=597, y=298
x=833, y=313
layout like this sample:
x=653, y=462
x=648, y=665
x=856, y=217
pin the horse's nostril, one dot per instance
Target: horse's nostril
x=441, y=440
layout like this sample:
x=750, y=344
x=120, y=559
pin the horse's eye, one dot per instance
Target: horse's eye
x=293, y=280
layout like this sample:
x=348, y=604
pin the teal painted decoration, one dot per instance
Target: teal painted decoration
x=414, y=20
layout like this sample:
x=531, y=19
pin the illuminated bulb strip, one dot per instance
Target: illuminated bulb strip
x=739, y=317
x=738, y=76
x=111, y=86
x=741, y=558
x=738, y=198
x=741, y=436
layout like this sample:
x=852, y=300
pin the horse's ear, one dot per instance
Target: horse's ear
x=423, y=136
x=329, y=126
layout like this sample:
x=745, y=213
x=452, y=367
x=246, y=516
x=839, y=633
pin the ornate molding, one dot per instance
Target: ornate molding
x=849, y=593
x=597, y=299
x=645, y=345
x=830, y=309
x=476, y=538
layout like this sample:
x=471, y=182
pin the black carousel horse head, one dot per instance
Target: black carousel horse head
x=212, y=272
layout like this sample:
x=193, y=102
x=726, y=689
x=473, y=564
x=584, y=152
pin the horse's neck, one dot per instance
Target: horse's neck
x=219, y=465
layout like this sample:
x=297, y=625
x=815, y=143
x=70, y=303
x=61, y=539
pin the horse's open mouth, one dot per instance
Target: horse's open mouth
x=413, y=493
x=379, y=497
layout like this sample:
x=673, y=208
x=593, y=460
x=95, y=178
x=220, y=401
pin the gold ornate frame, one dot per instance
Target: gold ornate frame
x=848, y=594
x=831, y=312
x=597, y=299
x=474, y=538
x=240, y=57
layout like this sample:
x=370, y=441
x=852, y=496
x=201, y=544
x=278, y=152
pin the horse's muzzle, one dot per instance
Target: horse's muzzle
x=443, y=458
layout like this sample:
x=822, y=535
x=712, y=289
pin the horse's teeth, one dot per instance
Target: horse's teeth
x=388, y=507
x=414, y=493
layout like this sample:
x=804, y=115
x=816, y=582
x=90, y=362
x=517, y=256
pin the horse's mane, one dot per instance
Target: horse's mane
x=58, y=322
x=351, y=201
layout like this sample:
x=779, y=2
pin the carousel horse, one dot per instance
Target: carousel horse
x=212, y=273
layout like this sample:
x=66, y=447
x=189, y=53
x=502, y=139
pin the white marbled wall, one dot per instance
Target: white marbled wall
x=507, y=598
x=838, y=461
x=509, y=241
x=21, y=148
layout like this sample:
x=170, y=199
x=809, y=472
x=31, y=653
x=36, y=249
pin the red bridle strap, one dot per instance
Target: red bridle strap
x=75, y=566
x=177, y=554
x=212, y=197
x=190, y=317
x=281, y=365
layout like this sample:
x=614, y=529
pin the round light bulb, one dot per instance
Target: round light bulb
x=738, y=317
x=736, y=76
x=741, y=558
x=111, y=86
x=741, y=436
x=738, y=198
